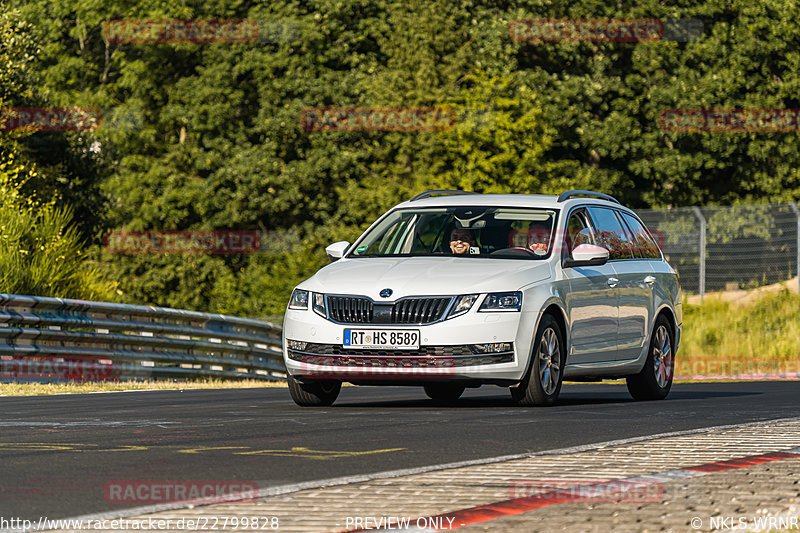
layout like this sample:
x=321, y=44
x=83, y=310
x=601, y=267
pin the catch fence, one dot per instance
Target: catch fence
x=726, y=248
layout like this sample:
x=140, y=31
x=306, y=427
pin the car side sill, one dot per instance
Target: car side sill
x=603, y=369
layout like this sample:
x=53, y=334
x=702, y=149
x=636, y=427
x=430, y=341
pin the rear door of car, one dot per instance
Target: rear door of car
x=635, y=275
x=660, y=273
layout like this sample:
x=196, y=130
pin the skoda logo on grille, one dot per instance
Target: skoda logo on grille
x=385, y=293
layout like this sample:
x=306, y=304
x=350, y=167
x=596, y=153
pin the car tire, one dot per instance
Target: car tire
x=444, y=392
x=542, y=383
x=655, y=379
x=315, y=393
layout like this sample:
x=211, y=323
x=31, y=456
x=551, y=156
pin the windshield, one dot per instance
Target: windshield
x=495, y=232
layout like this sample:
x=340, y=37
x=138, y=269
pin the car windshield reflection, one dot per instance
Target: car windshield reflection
x=464, y=231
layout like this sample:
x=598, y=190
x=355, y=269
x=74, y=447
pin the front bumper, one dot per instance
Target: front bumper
x=446, y=352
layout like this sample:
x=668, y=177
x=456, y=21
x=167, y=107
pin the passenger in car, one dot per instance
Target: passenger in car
x=539, y=236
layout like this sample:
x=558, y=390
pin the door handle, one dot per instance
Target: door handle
x=650, y=280
x=612, y=282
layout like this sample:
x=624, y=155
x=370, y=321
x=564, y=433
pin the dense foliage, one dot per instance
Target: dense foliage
x=40, y=249
x=217, y=140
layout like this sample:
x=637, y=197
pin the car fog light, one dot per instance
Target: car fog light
x=296, y=345
x=493, y=347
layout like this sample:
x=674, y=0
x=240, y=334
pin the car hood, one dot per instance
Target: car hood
x=420, y=276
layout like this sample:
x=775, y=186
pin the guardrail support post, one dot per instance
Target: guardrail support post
x=797, y=241
x=702, y=219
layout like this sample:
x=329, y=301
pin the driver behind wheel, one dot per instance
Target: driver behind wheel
x=461, y=240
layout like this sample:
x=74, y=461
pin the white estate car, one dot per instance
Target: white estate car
x=456, y=291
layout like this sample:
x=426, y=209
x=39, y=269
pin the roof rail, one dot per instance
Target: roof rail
x=452, y=192
x=568, y=194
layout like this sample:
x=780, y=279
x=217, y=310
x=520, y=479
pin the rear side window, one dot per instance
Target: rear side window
x=610, y=233
x=641, y=237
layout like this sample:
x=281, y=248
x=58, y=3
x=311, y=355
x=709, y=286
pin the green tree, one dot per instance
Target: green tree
x=220, y=144
x=40, y=249
x=67, y=169
x=496, y=146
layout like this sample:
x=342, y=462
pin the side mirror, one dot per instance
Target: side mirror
x=587, y=255
x=336, y=250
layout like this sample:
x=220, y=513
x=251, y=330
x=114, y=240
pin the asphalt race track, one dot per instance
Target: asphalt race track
x=58, y=452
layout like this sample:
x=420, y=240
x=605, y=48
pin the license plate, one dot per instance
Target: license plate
x=386, y=339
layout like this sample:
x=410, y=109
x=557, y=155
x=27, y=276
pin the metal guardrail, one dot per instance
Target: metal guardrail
x=52, y=339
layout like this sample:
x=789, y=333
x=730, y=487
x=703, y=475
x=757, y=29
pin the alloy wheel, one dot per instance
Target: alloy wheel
x=663, y=362
x=549, y=361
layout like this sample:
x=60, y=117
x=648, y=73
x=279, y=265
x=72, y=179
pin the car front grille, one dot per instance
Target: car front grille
x=361, y=310
x=350, y=310
x=419, y=310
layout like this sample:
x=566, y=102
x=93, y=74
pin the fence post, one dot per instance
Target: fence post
x=702, y=219
x=797, y=240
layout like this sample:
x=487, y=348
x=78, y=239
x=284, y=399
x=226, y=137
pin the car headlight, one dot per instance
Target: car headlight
x=501, y=301
x=319, y=304
x=462, y=304
x=299, y=299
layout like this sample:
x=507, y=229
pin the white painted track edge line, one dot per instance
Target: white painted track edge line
x=128, y=391
x=360, y=478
